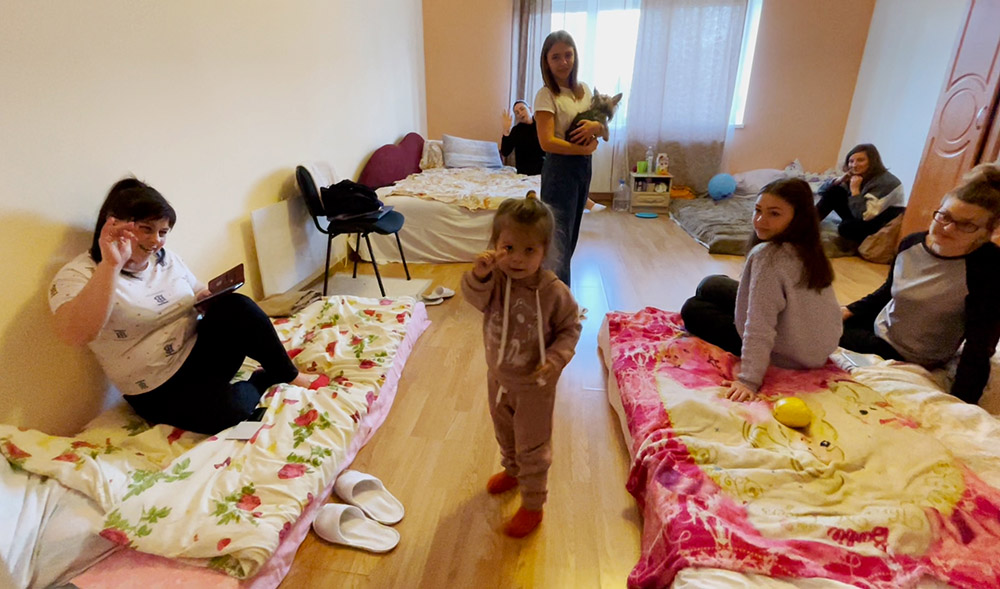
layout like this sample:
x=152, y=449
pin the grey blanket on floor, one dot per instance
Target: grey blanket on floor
x=724, y=227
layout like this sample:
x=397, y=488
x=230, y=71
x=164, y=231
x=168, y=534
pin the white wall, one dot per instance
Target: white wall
x=213, y=103
x=909, y=48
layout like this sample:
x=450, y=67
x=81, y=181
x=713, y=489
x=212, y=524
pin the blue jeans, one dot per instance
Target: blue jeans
x=565, y=188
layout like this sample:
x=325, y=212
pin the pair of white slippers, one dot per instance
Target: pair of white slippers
x=363, y=520
x=437, y=296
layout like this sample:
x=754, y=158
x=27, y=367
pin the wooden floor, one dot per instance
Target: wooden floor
x=436, y=448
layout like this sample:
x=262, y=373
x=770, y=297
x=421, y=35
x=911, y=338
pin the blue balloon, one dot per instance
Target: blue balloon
x=721, y=186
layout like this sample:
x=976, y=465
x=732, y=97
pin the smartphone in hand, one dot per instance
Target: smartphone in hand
x=222, y=284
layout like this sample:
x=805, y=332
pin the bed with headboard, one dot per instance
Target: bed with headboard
x=447, y=190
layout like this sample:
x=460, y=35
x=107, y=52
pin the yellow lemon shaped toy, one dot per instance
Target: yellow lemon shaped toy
x=792, y=411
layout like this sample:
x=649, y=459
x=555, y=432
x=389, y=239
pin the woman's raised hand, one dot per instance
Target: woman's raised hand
x=508, y=122
x=485, y=262
x=116, y=241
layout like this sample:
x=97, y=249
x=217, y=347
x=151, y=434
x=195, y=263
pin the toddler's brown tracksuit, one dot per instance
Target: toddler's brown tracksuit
x=526, y=323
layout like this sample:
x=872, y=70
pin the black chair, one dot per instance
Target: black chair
x=388, y=224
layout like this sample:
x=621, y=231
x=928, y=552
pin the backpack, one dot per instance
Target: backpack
x=880, y=247
x=347, y=198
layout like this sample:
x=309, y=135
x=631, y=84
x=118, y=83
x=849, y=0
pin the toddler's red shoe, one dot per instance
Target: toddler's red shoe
x=501, y=482
x=523, y=523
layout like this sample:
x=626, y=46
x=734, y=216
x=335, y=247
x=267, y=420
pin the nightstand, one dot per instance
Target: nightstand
x=650, y=193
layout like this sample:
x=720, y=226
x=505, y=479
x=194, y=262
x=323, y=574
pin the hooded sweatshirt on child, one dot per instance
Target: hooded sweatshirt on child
x=511, y=328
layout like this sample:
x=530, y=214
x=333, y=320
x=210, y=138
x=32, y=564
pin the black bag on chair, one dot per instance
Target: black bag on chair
x=349, y=199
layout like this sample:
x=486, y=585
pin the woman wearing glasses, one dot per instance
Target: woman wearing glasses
x=941, y=292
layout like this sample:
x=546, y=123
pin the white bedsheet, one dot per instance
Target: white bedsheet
x=434, y=232
x=47, y=531
x=449, y=213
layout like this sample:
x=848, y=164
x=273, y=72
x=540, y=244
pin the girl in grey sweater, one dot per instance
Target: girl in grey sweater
x=783, y=310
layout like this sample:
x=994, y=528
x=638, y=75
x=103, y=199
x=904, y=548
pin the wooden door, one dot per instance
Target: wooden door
x=963, y=115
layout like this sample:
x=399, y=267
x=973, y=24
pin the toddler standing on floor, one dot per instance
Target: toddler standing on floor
x=530, y=328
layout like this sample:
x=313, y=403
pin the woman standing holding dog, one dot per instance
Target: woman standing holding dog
x=567, y=167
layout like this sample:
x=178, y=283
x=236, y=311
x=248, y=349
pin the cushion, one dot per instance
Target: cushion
x=750, y=183
x=470, y=153
x=433, y=156
x=390, y=163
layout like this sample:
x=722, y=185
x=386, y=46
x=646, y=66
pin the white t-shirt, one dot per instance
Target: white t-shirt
x=564, y=107
x=153, y=323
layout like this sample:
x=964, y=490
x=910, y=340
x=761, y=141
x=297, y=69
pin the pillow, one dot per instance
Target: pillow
x=750, y=183
x=469, y=153
x=433, y=156
x=390, y=162
x=795, y=169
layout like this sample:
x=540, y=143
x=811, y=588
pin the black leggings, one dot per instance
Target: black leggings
x=199, y=396
x=711, y=313
x=859, y=336
x=850, y=227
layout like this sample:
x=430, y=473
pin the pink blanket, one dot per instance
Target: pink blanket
x=868, y=494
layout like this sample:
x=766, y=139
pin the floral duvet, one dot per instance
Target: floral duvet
x=892, y=484
x=225, y=503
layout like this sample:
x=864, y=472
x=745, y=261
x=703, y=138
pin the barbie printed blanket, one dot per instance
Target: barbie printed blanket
x=225, y=503
x=892, y=481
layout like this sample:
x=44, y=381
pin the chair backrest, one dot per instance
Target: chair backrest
x=310, y=191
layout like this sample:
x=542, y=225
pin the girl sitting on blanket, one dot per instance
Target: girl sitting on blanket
x=132, y=302
x=530, y=328
x=783, y=310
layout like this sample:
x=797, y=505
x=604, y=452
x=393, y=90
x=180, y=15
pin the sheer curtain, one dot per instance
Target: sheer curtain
x=686, y=58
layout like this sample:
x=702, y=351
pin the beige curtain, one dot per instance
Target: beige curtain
x=532, y=23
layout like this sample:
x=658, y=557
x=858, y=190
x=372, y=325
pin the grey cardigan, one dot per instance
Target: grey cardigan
x=781, y=321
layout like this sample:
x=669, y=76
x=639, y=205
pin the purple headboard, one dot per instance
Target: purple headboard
x=390, y=163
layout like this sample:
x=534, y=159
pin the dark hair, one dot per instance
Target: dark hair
x=875, y=165
x=528, y=212
x=547, y=77
x=981, y=187
x=802, y=232
x=520, y=101
x=131, y=199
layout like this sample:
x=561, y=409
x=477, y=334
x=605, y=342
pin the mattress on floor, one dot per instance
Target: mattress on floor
x=725, y=226
x=212, y=512
x=729, y=496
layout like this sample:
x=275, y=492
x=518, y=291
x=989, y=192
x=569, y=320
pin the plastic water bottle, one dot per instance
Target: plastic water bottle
x=621, y=199
x=649, y=159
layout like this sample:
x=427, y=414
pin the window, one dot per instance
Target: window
x=605, y=31
x=746, y=63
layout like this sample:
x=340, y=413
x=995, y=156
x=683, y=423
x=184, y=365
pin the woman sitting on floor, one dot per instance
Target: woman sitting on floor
x=132, y=302
x=866, y=197
x=941, y=291
x=783, y=310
